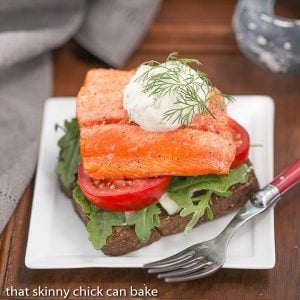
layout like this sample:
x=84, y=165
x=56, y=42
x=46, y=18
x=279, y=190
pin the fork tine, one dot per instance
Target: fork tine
x=185, y=271
x=200, y=274
x=187, y=261
x=171, y=259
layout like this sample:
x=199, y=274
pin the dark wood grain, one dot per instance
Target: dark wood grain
x=201, y=29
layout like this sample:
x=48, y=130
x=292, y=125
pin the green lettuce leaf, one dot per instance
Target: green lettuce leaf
x=217, y=183
x=193, y=194
x=79, y=197
x=69, y=153
x=101, y=222
x=198, y=210
x=144, y=221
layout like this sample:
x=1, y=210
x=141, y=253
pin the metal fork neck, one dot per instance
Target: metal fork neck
x=266, y=196
x=261, y=201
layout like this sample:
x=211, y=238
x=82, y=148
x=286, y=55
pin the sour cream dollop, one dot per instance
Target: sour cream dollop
x=149, y=111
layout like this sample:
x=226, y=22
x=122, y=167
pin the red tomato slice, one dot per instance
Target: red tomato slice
x=242, y=140
x=122, y=195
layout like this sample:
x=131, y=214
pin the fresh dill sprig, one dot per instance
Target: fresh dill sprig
x=177, y=78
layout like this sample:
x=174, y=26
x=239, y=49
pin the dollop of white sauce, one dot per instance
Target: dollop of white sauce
x=147, y=110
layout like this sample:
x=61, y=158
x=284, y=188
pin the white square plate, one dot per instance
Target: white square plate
x=58, y=239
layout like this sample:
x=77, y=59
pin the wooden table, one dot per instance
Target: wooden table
x=200, y=29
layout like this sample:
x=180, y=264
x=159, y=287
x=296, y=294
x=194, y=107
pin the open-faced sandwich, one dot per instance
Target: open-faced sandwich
x=150, y=153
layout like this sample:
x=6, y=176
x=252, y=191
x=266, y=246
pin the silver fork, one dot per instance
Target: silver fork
x=206, y=258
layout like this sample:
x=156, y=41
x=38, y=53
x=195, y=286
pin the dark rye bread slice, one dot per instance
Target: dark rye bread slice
x=124, y=240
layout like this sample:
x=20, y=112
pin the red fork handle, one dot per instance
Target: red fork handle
x=288, y=177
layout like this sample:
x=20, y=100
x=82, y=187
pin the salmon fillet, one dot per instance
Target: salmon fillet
x=100, y=100
x=111, y=147
x=127, y=151
x=218, y=124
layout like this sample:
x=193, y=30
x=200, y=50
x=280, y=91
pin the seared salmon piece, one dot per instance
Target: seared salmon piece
x=100, y=100
x=127, y=151
x=218, y=124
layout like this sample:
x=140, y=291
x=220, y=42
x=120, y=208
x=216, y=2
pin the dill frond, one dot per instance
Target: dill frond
x=176, y=78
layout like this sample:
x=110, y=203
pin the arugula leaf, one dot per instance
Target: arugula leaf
x=197, y=210
x=145, y=220
x=217, y=183
x=79, y=197
x=69, y=153
x=184, y=190
x=101, y=224
x=181, y=182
